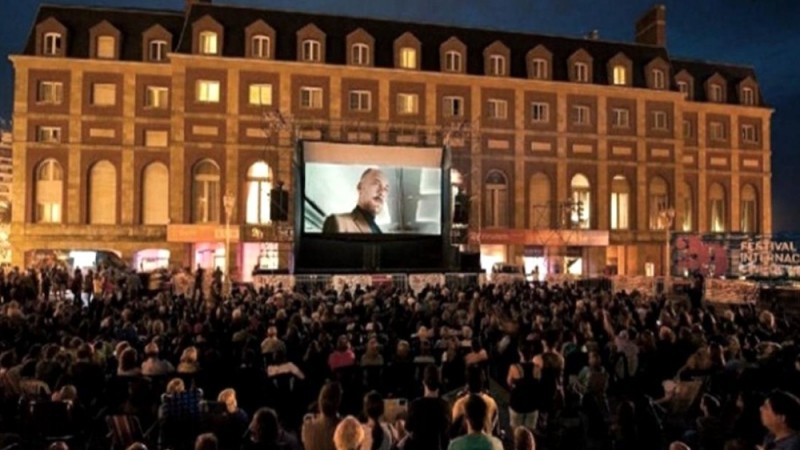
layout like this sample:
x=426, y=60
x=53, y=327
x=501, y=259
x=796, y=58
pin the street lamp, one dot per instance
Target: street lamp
x=228, y=201
x=667, y=217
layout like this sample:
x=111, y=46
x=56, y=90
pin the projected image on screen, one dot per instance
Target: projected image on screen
x=372, y=199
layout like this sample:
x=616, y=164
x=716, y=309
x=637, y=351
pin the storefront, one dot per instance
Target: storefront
x=151, y=259
x=207, y=244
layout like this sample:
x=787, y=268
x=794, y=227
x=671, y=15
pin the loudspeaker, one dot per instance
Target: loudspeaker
x=470, y=262
x=279, y=204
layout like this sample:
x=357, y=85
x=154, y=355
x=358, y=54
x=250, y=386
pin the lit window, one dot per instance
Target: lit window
x=620, y=118
x=260, y=46
x=50, y=92
x=106, y=47
x=715, y=93
x=620, y=203
x=49, y=191
x=407, y=103
x=50, y=135
x=360, y=54
x=659, y=200
x=716, y=196
x=259, y=187
x=104, y=94
x=453, y=106
x=207, y=91
x=206, y=192
x=748, y=210
x=208, y=43
x=581, y=72
x=581, y=115
x=660, y=120
x=540, y=69
x=496, y=206
x=452, y=61
x=749, y=133
x=312, y=50
x=497, y=109
x=52, y=44
x=158, y=50
x=580, y=213
x=687, y=207
x=408, y=58
x=360, y=101
x=497, y=65
x=717, y=131
x=620, y=75
x=311, y=97
x=748, y=96
x=540, y=112
x=260, y=95
x=659, y=79
x=156, y=97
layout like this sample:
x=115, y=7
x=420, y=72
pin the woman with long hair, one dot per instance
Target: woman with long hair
x=378, y=435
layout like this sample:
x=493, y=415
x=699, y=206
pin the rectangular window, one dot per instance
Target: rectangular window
x=360, y=101
x=749, y=133
x=52, y=44
x=748, y=96
x=452, y=61
x=207, y=91
x=688, y=132
x=408, y=58
x=208, y=43
x=312, y=50
x=155, y=138
x=497, y=64
x=156, y=97
x=50, y=135
x=717, y=131
x=310, y=97
x=659, y=79
x=620, y=75
x=540, y=69
x=716, y=93
x=497, y=109
x=104, y=94
x=620, y=118
x=158, y=50
x=260, y=95
x=260, y=46
x=50, y=92
x=106, y=47
x=619, y=210
x=581, y=74
x=683, y=87
x=360, y=54
x=540, y=112
x=660, y=120
x=581, y=115
x=717, y=216
x=407, y=103
x=453, y=106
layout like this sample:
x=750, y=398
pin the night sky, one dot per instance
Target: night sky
x=760, y=33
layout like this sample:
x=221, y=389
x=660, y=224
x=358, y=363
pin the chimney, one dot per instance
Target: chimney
x=593, y=35
x=187, y=4
x=651, y=28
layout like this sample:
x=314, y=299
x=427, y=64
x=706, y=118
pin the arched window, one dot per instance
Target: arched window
x=260, y=46
x=259, y=185
x=687, y=208
x=620, y=203
x=155, y=200
x=716, y=199
x=581, y=214
x=103, y=193
x=540, y=202
x=749, y=209
x=206, y=192
x=496, y=200
x=49, y=191
x=659, y=201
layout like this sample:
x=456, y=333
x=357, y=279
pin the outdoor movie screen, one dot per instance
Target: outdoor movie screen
x=368, y=189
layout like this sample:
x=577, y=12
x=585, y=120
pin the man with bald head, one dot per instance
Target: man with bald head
x=373, y=189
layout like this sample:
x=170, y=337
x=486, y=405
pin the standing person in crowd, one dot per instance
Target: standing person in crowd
x=318, y=429
x=428, y=416
x=378, y=435
x=476, y=438
x=780, y=415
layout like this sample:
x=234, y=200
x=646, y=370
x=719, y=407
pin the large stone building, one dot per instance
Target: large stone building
x=130, y=125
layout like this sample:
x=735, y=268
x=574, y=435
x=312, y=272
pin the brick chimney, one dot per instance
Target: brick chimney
x=187, y=4
x=651, y=28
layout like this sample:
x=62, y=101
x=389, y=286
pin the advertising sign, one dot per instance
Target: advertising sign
x=736, y=255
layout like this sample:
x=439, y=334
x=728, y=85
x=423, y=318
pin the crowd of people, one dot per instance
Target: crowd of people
x=91, y=360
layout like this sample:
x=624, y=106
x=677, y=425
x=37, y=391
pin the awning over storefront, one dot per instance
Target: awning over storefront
x=547, y=238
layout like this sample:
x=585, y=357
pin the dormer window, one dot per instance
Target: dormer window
x=260, y=46
x=497, y=65
x=311, y=50
x=539, y=66
x=715, y=93
x=105, y=47
x=452, y=61
x=360, y=54
x=157, y=50
x=581, y=72
x=208, y=43
x=748, y=96
x=408, y=58
x=659, y=79
x=620, y=76
x=52, y=44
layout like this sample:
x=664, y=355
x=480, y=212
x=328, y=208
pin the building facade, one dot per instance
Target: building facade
x=131, y=126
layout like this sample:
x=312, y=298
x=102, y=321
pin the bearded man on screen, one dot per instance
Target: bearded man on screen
x=373, y=189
